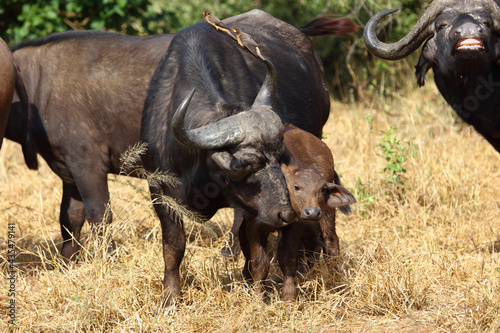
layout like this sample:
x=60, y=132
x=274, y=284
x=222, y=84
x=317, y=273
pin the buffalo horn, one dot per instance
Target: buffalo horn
x=398, y=50
x=223, y=133
x=268, y=90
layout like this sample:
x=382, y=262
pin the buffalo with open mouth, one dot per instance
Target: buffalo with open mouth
x=462, y=47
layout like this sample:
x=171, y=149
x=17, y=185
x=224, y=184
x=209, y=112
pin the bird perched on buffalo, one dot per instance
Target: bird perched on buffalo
x=245, y=40
x=213, y=20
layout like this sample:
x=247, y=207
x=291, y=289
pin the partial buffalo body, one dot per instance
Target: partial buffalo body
x=212, y=120
x=315, y=193
x=87, y=92
x=462, y=47
x=11, y=84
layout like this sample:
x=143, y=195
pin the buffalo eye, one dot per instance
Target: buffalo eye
x=442, y=26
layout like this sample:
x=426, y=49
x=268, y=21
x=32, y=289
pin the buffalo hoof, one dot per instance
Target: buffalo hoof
x=231, y=252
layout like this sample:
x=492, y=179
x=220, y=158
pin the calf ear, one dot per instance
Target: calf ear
x=339, y=196
x=231, y=165
x=288, y=172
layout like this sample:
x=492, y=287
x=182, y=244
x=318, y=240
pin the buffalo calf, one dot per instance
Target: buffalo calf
x=315, y=193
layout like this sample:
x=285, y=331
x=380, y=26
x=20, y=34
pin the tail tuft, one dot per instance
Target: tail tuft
x=329, y=25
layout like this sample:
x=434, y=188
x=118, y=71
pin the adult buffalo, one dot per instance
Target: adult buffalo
x=212, y=120
x=463, y=49
x=12, y=85
x=87, y=92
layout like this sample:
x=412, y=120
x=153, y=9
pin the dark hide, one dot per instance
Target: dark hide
x=87, y=91
x=468, y=78
x=226, y=84
x=11, y=84
x=462, y=47
x=227, y=79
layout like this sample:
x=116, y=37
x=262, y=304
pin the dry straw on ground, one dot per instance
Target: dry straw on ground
x=419, y=257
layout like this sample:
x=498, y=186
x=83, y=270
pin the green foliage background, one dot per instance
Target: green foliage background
x=352, y=73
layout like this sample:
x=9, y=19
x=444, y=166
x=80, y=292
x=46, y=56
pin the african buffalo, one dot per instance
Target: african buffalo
x=315, y=193
x=11, y=83
x=462, y=47
x=87, y=90
x=210, y=121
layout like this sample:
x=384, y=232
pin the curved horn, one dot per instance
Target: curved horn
x=268, y=89
x=223, y=133
x=398, y=50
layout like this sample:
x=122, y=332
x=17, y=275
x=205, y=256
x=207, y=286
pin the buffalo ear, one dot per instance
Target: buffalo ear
x=427, y=57
x=421, y=69
x=339, y=196
x=232, y=166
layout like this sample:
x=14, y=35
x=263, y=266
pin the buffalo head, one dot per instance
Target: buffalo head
x=462, y=38
x=462, y=48
x=448, y=21
x=243, y=149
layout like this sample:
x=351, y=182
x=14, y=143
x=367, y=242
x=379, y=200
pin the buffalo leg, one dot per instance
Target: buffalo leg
x=288, y=257
x=245, y=248
x=312, y=243
x=72, y=217
x=233, y=247
x=259, y=262
x=95, y=195
x=174, y=245
x=329, y=234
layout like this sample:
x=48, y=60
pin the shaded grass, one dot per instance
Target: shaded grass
x=423, y=257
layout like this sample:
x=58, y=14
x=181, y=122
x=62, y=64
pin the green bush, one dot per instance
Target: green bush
x=352, y=73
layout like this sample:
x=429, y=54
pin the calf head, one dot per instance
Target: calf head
x=310, y=193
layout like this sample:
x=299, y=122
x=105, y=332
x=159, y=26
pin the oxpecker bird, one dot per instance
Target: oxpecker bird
x=245, y=40
x=216, y=22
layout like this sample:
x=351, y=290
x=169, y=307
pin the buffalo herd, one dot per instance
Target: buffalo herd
x=236, y=129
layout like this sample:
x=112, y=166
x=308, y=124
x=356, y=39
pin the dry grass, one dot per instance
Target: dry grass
x=423, y=258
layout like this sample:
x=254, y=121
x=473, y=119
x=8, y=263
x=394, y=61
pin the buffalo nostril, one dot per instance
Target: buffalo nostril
x=311, y=213
x=287, y=215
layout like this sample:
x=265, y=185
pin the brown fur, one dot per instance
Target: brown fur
x=329, y=25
